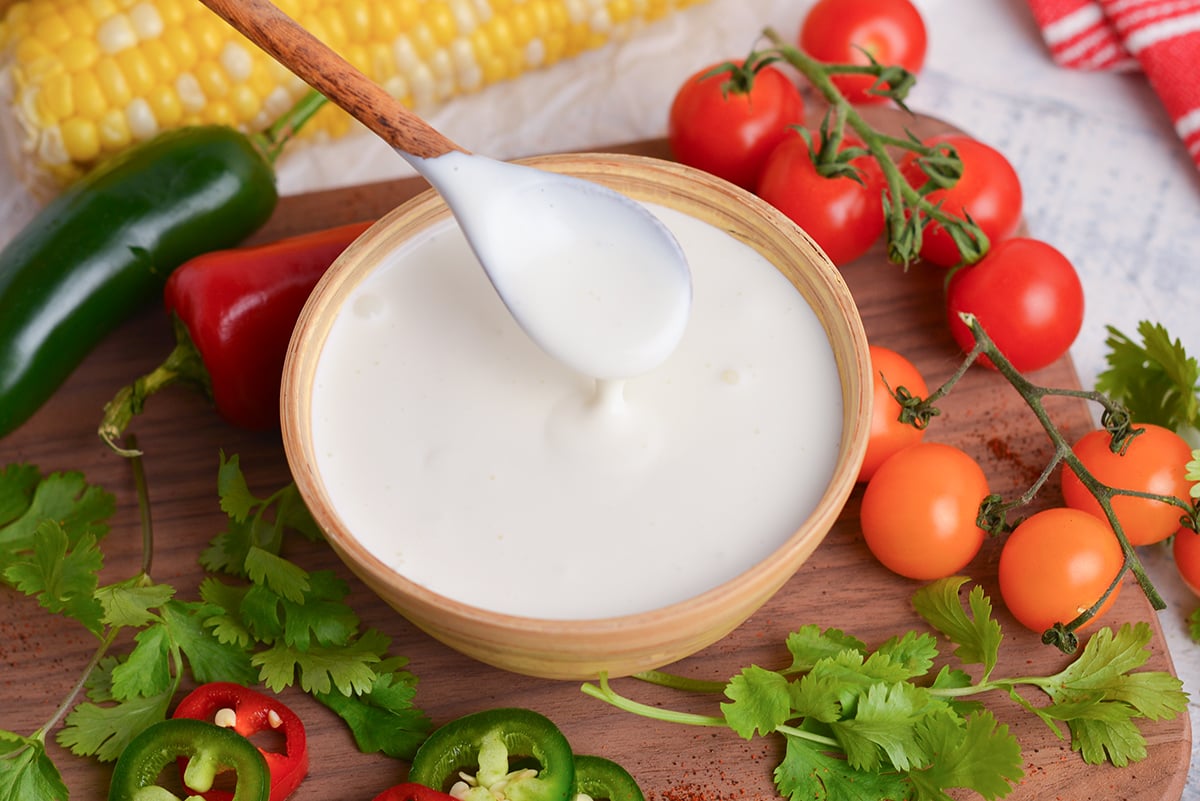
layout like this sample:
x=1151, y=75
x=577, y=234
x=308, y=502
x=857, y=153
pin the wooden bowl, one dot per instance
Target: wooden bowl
x=583, y=649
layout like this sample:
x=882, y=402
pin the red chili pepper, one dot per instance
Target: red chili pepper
x=410, y=791
x=249, y=712
x=234, y=311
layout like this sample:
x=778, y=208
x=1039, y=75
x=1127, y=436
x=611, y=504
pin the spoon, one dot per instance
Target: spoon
x=592, y=276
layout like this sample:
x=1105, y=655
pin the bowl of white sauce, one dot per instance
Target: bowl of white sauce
x=549, y=524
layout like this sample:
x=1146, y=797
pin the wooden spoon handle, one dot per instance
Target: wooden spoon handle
x=318, y=65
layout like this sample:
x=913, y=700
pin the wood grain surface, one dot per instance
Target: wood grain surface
x=41, y=656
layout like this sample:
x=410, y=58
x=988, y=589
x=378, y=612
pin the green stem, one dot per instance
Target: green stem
x=610, y=696
x=1033, y=396
x=110, y=634
x=272, y=141
x=907, y=208
x=673, y=681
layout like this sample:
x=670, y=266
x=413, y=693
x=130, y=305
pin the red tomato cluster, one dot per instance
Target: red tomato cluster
x=743, y=122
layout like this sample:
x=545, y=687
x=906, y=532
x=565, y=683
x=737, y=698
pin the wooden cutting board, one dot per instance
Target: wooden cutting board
x=42, y=656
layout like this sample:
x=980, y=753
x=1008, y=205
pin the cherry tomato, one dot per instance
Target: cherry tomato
x=1055, y=565
x=838, y=31
x=1154, y=461
x=1028, y=298
x=1186, y=548
x=988, y=190
x=844, y=217
x=919, y=509
x=715, y=127
x=888, y=434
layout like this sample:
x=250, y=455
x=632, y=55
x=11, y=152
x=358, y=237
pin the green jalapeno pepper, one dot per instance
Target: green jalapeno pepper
x=600, y=779
x=103, y=248
x=209, y=750
x=513, y=754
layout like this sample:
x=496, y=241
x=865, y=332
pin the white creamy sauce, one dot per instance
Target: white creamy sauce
x=475, y=464
x=610, y=307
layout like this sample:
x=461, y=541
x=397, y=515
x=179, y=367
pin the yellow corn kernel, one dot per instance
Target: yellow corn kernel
x=113, y=130
x=165, y=103
x=57, y=98
x=81, y=139
x=91, y=77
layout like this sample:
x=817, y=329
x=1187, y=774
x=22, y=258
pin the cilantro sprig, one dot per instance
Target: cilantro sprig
x=874, y=724
x=1156, y=379
x=259, y=618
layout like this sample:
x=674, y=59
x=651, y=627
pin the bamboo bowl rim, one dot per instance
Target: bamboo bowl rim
x=579, y=649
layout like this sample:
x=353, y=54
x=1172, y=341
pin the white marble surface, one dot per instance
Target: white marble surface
x=1104, y=176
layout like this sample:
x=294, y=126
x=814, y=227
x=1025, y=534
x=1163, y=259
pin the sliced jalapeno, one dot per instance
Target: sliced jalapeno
x=209, y=750
x=497, y=755
x=600, y=779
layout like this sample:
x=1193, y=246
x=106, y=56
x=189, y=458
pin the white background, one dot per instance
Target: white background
x=1105, y=179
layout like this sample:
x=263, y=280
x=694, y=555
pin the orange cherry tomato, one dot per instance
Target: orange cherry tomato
x=919, y=510
x=1186, y=548
x=1055, y=565
x=1155, y=461
x=888, y=434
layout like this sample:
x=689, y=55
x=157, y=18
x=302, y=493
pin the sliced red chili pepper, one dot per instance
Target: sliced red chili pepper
x=234, y=311
x=411, y=791
x=249, y=712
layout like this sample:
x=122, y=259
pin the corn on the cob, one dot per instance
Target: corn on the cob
x=90, y=77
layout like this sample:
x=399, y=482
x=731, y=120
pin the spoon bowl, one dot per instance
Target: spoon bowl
x=592, y=277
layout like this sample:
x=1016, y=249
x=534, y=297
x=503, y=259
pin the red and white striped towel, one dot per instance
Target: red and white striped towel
x=1162, y=37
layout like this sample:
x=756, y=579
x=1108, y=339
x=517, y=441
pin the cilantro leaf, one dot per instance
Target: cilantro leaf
x=383, y=719
x=346, y=667
x=128, y=603
x=104, y=731
x=760, y=702
x=321, y=616
x=815, y=698
x=1098, y=696
x=979, y=755
x=810, y=644
x=284, y=578
x=146, y=671
x=1194, y=625
x=1156, y=380
x=882, y=731
x=209, y=658
x=67, y=498
x=26, y=772
x=226, y=624
x=977, y=637
x=17, y=483
x=914, y=653
x=63, y=578
x=806, y=772
x=237, y=500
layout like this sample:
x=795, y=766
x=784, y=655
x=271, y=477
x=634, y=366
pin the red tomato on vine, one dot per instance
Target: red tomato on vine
x=1026, y=295
x=989, y=191
x=919, y=510
x=844, y=216
x=727, y=121
x=1186, y=549
x=839, y=31
x=1154, y=461
x=888, y=435
x=1055, y=565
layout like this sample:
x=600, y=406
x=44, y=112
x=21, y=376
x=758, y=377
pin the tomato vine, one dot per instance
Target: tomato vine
x=1119, y=425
